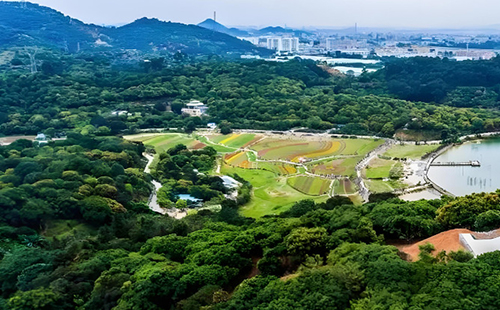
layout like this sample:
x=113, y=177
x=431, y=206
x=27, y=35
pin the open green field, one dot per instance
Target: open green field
x=163, y=142
x=271, y=193
x=341, y=166
x=379, y=168
x=411, y=151
x=380, y=186
x=360, y=146
x=310, y=185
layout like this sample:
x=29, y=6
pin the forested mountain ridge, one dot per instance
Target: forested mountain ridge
x=147, y=34
x=215, y=26
x=30, y=24
x=27, y=24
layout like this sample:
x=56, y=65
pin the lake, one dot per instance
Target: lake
x=464, y=180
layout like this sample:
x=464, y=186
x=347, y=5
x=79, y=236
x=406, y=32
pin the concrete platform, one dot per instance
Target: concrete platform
x=479, y=246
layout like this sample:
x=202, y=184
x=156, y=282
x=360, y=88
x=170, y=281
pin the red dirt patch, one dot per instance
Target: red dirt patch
x=447, y=241
x=198, y=146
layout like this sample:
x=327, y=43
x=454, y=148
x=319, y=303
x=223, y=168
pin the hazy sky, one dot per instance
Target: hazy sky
x=295, y=13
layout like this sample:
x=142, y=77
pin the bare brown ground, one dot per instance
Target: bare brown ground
x=11, y=139
x=445, y=241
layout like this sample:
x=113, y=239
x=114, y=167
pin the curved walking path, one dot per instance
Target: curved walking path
x=153, y=199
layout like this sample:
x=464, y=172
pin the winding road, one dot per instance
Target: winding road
x=153, y=199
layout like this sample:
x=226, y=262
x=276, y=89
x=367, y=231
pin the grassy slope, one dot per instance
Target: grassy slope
x=360, y=146
x=379, y=168
x=309, y=185
x=218, y=148
x=271, y=194
x=410, y=151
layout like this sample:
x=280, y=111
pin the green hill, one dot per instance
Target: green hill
x=24, y=24
x=153, y=34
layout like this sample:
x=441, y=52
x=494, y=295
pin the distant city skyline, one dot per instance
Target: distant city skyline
x=421, y=14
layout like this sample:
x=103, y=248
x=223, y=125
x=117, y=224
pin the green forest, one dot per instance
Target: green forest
x=79, y=93
x=76, y=231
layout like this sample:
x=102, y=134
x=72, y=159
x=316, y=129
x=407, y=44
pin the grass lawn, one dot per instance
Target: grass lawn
x=360, y=146
x=356, y=199
x=379, y=186
x=271, y=194
x=251, y=156
x=379, y=168
x=410, y=151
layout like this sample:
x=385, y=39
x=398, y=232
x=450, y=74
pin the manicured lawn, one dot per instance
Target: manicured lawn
x=411, y=151
x=360, y=146
x=271, y=193
x=379, y=168
x=380, y=186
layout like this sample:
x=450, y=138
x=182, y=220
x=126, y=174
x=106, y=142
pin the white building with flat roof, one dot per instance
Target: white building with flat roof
x=195, y=108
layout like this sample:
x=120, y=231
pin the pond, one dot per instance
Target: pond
x=464, y=180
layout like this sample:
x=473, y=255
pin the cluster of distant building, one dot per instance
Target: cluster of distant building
x=364, y=46
x=276, y=43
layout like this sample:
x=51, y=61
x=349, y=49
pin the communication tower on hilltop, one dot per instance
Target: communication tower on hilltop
x=215, y=16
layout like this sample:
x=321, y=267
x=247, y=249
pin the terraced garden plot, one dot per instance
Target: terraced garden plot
x=165, y=141
x=411, y=151
x=295, y=151
x=343, y=166
x=344, y=187
x=240, y=159
x=217, y=147
x=235, y=140
x=278, y=168
x=310, y=185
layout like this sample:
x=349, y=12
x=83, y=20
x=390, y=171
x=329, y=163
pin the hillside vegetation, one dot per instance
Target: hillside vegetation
x=27, y=24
